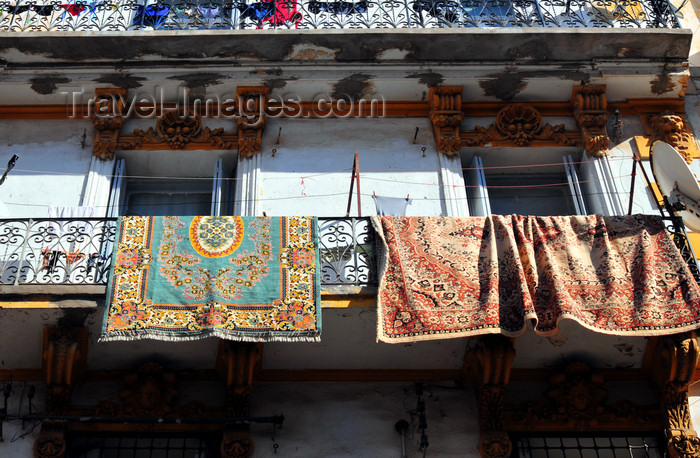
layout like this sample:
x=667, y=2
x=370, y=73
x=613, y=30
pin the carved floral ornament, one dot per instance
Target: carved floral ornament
x=176, y=130
x=673, y=129
x=520, y=124
x=575, y=400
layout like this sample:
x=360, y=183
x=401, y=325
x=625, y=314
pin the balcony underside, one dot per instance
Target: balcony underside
x=407, y=46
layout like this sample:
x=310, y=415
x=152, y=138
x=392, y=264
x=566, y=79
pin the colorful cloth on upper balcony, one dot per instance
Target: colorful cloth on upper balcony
x=240, y=278
x=452, y=277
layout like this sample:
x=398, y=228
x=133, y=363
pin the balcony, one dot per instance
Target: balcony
x=74, y=252
x=43, y=252
x=135, y=15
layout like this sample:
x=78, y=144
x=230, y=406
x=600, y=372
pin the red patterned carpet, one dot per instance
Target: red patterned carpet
x=452, y=277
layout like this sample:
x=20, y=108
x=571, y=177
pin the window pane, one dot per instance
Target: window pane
x=530, y=195
x=176, y=197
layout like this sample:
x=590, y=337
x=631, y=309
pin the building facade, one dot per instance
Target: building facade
x=276, y=109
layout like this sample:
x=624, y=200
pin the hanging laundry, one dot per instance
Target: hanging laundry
x=49, y=259
x=67, y=213
x=391, y=206
x=95, y=260
x=274, y=12
x=338, y=7
x=74, y=9
x=151, y=15
x=440, y=9
x=41, y=10
x=73, y=256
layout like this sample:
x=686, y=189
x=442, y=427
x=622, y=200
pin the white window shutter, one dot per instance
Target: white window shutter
x=476, y=190
x=217, y=188
x=574, y=186
x=116, y=195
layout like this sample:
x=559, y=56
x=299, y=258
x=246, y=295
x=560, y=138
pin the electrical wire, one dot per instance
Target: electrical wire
x=332, y=172
x=312, y=196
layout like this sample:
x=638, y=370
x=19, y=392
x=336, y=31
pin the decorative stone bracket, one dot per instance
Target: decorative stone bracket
x=446, y=117
x=108, y=119
x=175, y=130
x=252, y=107
x=487, y=367
x=63, y=360
x=64, y=353
x=591, y=115
x=674, y=129
x=674, y=368
x=236, y=363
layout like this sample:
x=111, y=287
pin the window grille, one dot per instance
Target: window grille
x=143, y=446
x=598, y=446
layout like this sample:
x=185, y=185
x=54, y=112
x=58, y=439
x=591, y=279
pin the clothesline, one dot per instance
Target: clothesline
x=332, y=172
x=225, y=202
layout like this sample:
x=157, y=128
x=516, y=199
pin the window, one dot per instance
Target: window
x=106, y=445
x=546, y=190
x=588, y=446
x=141, y=193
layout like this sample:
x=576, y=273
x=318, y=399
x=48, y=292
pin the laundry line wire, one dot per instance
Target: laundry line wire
x=294, y=176
x=287, y=198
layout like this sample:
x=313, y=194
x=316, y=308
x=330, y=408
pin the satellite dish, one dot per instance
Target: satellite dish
x=677, y=182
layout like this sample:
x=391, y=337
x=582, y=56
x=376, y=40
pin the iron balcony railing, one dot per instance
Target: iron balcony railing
x=56, y=251
x=79, y=251
x=123, y=15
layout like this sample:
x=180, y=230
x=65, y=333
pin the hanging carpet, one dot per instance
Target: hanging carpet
x=451, y=277
x=181, y=278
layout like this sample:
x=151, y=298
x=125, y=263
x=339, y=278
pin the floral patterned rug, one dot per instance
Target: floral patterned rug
x=240, y=278
x=452, y=277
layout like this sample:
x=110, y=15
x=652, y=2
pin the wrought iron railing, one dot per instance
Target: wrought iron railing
x=123, y=15
x=348, y=252
x=79, y=251
x=56, y=251
x=676, y=228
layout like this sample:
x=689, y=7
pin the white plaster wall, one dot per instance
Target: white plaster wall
x=321, y=419
x=621, y=164
x=54, y=159
x=572, y=343
x=349, y=341
x=357, y=419
x=20, y=339
x=321, y=152
x=694, y=404
x=18, y=437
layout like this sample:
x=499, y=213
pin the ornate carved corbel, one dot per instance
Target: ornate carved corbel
x=675, y=364
x=672, y=128
x=446, y=117
x=63, y=360
x=252, y=107
x=487, y=367
x=591, y=114
x=108, y=119
x=236, y=363
x=51, y=442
